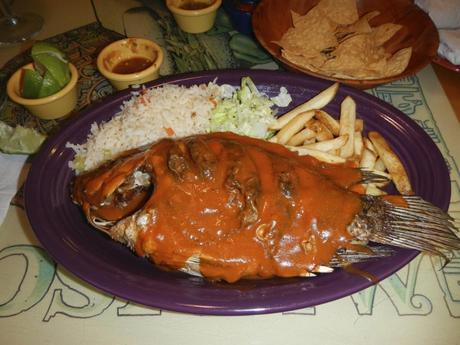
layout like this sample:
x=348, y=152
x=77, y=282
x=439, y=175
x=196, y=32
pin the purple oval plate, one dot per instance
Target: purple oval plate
x=113, y=268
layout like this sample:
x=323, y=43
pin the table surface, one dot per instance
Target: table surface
x=418, y=305
x=450, y=82
x=83, y=13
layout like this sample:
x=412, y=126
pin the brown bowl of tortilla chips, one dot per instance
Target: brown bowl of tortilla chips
x=362, y=43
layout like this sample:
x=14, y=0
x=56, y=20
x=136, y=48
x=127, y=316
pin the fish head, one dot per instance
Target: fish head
x=114, y=191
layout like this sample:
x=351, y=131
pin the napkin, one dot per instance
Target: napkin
x=12, y=171
x=444, y=13
x=449, y=45
x=446, y=16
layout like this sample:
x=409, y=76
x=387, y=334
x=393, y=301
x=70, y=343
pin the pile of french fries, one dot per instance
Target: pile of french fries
x=309, y=130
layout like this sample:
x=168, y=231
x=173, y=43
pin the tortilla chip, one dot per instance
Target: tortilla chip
x=296, y=18
x=384, y=32
x=340, y=11
x=398, y=62
x=349, y=55
x=357, y=58
x=346, y=31
x=332, y=40
x=312, y=64
x=377, y=63
x=370, y=15
x=312, y=34
x=314, y=16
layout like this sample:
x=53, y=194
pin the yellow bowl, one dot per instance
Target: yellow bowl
x=52, y=107
x=124, y=50
x=194, y=20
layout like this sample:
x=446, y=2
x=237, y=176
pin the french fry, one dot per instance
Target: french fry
x=379, y=165
x=368, y=159
x=327, y=120
x=309, y=130
x=368, y=145
x=347, y=125
x=322, y=132
x=300, y=137
x=320, y=155
x=317, y=102
x=358, y=144
x=372, y=189
x=328, y=145
x=293, y=126
x=334, y=152
x=392, y=163
x=383, y=174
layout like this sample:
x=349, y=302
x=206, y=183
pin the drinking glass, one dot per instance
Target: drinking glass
x=17, y=28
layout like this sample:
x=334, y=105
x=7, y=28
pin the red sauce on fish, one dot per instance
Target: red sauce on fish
x=264, y=211
x=290, y=236
x=396, y=200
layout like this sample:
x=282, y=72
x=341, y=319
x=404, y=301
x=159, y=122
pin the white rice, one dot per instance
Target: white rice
x=146, y=118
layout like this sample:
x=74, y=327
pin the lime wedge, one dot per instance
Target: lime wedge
x=19, y=139
x=31, y=83
x=49, y=49
x=51, y=72
x=49, y=86
x=56, y=67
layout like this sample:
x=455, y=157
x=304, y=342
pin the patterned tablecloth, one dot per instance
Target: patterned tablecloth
x=42, y=303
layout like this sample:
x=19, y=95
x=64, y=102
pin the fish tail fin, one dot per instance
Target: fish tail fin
x=369, y=176
x=344, y=257
x=408, y=222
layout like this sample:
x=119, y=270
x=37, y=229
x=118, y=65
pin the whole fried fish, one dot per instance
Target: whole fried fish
x=229, y=207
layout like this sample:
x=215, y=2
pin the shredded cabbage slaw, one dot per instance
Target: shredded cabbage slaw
x=247, y=111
